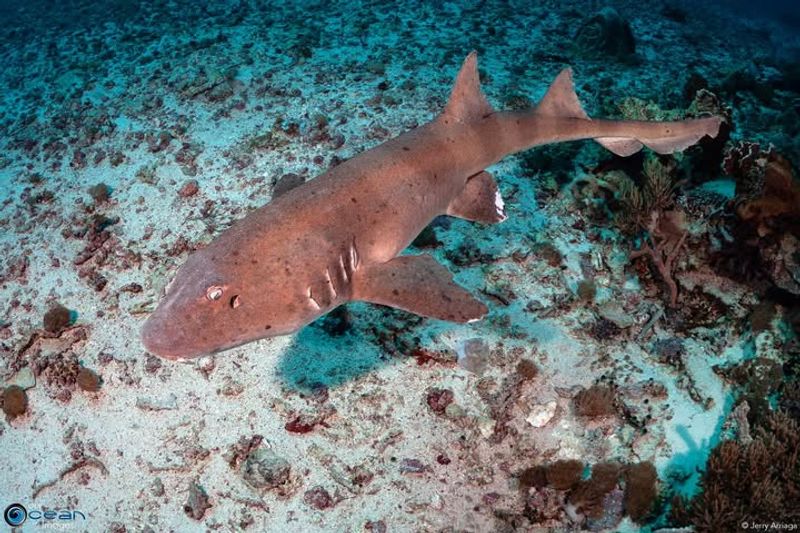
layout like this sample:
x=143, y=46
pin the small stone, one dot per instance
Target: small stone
x=15, y=401
x=100, y=193
x=190, y=188
x=157, y=404
x=439, y=399
x=606, y=35
x=454, y=411
x=286, y=183
x=157, y=487
x=473, y=355
x=412, y=466
x=151, y=363
x=25, y=378
x=437, y=502
x=197, y=504
x=485, y=425
x=318, y=498
x=88, y=380
x=263, y=469
x=375, y=66
x=206, y=364
x=376, y=526
x=57, y=319
x=613, y=312
x=541, y=414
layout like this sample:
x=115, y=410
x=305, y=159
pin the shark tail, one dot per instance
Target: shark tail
x=625, y=138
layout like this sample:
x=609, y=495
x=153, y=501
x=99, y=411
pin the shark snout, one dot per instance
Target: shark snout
x=161, y=339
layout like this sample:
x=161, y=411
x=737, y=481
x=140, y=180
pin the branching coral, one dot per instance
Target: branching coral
x=757, y=482
x=647, y=212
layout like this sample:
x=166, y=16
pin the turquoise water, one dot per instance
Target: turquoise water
x=643, y=311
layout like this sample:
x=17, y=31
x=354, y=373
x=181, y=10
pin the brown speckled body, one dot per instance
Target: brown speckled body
x=323, y=243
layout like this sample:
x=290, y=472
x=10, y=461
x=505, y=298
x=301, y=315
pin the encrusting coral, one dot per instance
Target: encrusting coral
x=766, y=190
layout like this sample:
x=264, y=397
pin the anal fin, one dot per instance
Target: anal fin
x=419, y=285
x=620, y=146
x=480, y=201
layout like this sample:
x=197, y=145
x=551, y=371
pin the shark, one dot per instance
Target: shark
x=339, y=237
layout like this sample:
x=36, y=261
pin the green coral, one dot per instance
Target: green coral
x=633, y=108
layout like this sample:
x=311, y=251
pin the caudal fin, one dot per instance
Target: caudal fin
x=670, y=137
x=561, y=100
x=630, y=136
x=660, y=137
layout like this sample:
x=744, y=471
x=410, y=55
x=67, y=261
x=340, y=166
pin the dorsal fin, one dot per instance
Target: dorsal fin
x=560, y=99
x=466, y=99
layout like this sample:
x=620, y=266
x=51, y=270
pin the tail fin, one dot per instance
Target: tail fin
x=661, y=137
x=679, y=135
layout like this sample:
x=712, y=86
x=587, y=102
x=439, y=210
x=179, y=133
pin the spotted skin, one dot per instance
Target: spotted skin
x=337, y=238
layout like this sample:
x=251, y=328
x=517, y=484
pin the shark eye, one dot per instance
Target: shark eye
x=214, y=293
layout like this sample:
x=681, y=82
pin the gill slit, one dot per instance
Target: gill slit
x=313, y=301
x=330, y=283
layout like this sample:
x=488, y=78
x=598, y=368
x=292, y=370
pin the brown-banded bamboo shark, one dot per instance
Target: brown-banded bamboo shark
x=338, y=237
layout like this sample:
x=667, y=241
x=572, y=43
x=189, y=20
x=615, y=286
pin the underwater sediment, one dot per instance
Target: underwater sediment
x=638, y=365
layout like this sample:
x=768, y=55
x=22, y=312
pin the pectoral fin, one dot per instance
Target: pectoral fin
x=419, y=285
x=480, y=201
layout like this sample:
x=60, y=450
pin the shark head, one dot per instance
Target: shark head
x=212, y=305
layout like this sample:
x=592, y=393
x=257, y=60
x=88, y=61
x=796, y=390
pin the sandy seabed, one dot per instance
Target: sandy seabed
x=371, y=419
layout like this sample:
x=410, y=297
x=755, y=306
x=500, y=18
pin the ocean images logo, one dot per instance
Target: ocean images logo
x=16, y=515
